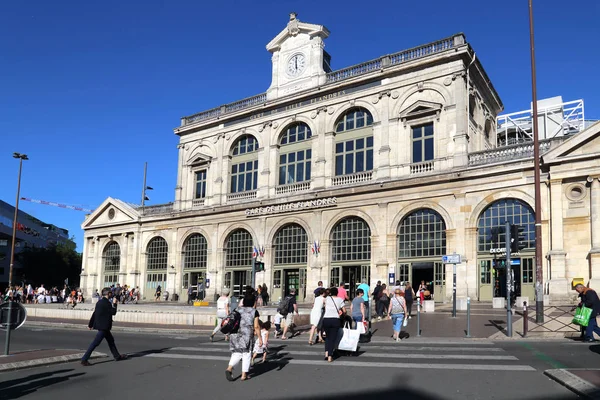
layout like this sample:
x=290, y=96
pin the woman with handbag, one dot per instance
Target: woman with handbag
x=397, y=312
x=316, y=316
x=334, y=310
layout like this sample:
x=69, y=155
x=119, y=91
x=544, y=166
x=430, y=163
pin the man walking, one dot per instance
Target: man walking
x=292, y=307
x=365, y=288
x=102, y=321
x=589, y=298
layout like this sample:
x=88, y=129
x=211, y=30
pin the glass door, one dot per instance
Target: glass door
x=240, y=281
x=527, y=279
x=292, y=280
x=439, y=281
x=486, y=289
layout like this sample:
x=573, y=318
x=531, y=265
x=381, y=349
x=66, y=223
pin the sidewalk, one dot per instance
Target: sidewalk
x=584, y=382
x=37, y=358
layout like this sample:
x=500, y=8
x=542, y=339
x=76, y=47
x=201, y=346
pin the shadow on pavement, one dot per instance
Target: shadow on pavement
x=146, y=352
x=20, y=387
x=595, y=348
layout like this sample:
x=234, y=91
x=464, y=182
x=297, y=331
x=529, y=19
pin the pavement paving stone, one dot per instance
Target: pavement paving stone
x=37, y=358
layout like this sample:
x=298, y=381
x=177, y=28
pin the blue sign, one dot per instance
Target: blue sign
x=451, y=259
x=392, y=278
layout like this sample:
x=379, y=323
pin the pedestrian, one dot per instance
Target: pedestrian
x=342, y=293
x=316, y=316
x=223, y=310
x=101, y=321
x=384, y=302
x=241, y=343
x=277, y=322
x=357, y=308
x=265, y=294
x=409, y=296
x=157, y=293
x=334, y=310
x=292, y=307
x=375, y=296
x=397, y=312
x=264, y=349
x=190, y=293
x=201, y=290
x=319, y=286
x=365, y=288
x=589, y=298
x=259, y=299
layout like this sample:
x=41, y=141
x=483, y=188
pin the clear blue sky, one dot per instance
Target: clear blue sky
x=90, y=90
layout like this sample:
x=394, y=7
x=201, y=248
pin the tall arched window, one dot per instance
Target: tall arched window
x=295, y=154
x=291, y=245
x=157, y=256
x=354, y=142
x=422, y=234
x=195, y=252
x=111, y=260
x=491, y=230
x=244, y=165
x=238, y=258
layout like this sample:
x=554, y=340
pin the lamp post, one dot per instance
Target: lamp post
x=21, y=157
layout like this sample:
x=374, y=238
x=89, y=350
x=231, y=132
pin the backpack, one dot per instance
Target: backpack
x=284, y=306
x=231, y=323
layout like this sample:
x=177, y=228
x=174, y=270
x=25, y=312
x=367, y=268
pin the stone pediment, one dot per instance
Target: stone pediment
x=420, y=109
x=111, y=212
x=198, y=160
x=295, y=28
x=585, y=144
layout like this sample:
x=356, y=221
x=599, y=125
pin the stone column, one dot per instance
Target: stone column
x=558, y=284
x=264, y=160
x=319, y=149
x=123, y=261
x=595, y=230
x=381, y=133
x=461, y=137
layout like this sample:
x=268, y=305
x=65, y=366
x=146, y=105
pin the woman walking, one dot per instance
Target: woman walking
x=397, y=311
x=409, y=296
x=223, y=310
x=334, y=309
x=265, y=294
x=242, y=342
x=315, y=316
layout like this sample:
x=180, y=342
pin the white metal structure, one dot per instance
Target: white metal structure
x=555, y=118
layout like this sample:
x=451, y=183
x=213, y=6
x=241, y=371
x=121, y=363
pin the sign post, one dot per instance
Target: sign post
x=508, y=281
x=12, y=316
x=452, y=259
x=253, y=272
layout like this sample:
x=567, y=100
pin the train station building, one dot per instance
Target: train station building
x=366, y=173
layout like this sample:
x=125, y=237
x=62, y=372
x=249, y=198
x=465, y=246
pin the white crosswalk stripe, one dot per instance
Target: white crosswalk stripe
x=458, y=357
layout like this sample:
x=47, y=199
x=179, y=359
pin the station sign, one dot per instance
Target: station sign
x=451, y=259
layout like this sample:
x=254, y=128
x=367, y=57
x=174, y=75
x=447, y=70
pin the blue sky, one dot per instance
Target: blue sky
x=92, y=90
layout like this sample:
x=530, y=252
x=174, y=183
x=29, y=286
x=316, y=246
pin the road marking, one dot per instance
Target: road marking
x=542, y=356
x=478, y=367
x=369, y=355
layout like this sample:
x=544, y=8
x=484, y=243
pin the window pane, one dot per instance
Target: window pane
x=370, y=141
x=242, y=167
x=350, y=145
x=300, y=156
x=301, y=134
x=300, y=173
x=233, y=181
x=291, y=157
x=308, y=154
x=291, y=173
x=240, y=183
x=360, y=161
x=429, y=130
x=350, y=121
x=339, y=165
x=340, y=126
x=255, y=180
x=369, y=160
x=349, y=163
x=360, y=121
x=429, y=149
x=234, y=169
x=360, y=143
x=282, y=159
x=417, y=151
x=416, y=133
x=308, y=171
x=282, y=175
x=369, y=119
x=339, y=147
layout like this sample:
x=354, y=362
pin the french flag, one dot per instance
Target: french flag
x=254, y=252
x=316, y=247
x=262, y=251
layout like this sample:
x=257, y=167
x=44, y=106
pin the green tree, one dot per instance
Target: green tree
x=50, y=265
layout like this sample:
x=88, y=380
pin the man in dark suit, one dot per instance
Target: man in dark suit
x=102, y=321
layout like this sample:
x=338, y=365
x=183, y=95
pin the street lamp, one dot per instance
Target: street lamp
x=21, y=157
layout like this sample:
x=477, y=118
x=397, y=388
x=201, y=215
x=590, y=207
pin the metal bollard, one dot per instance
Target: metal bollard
x=525, y=319
x=468, y=317
x=418, y=316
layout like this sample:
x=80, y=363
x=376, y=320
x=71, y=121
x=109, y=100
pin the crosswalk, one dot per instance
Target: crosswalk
x=404, y=355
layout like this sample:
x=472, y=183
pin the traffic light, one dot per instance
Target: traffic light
x=517, y=238
x=259, y=266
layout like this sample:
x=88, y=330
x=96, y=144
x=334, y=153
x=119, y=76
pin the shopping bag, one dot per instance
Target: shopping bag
x=582, y=316
x=349, y=340
x=405, y=322
x=361, y=328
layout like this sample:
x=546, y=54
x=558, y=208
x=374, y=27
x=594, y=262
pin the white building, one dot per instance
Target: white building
x=371, y=172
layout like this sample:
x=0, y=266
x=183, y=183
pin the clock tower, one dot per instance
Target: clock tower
x=299, y=59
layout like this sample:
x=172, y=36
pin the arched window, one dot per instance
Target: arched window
x=351, y=240
x=244, y=164
x=295, y=154
x=422, y=234
x=111, y=260
x=354, y=142
x=291, y=245
x=157, y=254
x=491, y=225
x=239, y=249
x=195, y=252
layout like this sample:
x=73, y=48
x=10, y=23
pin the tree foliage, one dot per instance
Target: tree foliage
x=49, y=266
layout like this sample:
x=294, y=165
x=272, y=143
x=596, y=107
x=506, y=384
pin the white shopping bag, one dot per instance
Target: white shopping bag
x=360, y=327
x=405, y=322
x=349, y=340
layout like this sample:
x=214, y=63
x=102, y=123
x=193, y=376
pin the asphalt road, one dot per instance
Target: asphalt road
x=179, y=367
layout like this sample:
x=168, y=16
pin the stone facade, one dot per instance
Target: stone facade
x=389, y=212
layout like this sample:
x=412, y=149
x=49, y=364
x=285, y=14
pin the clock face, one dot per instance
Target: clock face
x=296, y=65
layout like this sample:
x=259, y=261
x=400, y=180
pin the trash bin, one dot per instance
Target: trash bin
x=175, y=297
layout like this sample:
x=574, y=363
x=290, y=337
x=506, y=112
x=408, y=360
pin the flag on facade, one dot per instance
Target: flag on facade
x=254, y=251
x=316, y=248
x=262, y=251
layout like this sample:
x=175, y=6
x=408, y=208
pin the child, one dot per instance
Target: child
x=264, y=332
x=277, y=320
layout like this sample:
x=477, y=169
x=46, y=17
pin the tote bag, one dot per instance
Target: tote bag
x=349, y=340
x=582, y=316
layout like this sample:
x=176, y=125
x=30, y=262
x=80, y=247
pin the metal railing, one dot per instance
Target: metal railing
x=512, y=152
x=242, y=196
x=354, y=178
x=293, y=188
x=334, y=76
x=157, y=209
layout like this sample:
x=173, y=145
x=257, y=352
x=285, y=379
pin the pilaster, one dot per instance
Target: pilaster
x=558, y=284
x=319, y=149
x=381, y=135
x=461, y=137
x=594, y=255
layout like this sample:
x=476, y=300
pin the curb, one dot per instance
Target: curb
x=47, y=361
x=132, y=329
x=574, y=383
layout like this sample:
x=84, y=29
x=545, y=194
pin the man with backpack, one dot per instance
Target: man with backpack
x=287, y=308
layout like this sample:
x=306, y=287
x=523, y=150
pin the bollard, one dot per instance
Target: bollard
x=468, y=317
x=525, y=319
x=418, y=316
